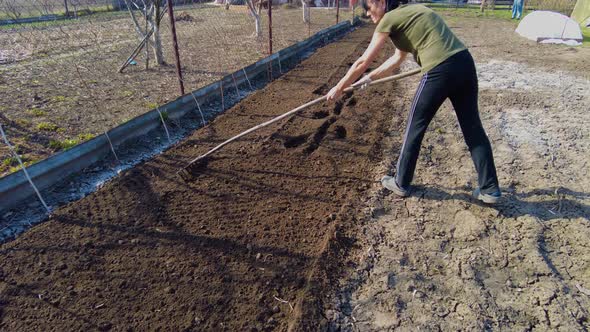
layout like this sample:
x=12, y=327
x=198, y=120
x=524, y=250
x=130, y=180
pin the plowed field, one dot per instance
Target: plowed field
x=242, y=247
x=289, y=229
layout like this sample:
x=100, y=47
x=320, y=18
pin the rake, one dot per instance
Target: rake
x=188, y=172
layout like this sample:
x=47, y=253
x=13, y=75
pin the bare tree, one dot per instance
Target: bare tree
x=67, y=9
x=45, y=7
x=155, y=19
x=13, y=10
x=76, y=4
x=306, y=11
x=255, y=7
x=152, y=12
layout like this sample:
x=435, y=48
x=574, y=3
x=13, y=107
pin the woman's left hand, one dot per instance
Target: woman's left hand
x=334, y=94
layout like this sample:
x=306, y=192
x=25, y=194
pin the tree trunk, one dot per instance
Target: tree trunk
x=158, y=55
x=483, y=4
x=158, y=45
x=305, y=7
x=258, y=23
x=255, y=12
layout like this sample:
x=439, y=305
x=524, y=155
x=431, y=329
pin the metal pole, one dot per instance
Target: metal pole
x=270, y=38
x=269, y=27
x=309, y=23
x=337, y=10
x=175, y=44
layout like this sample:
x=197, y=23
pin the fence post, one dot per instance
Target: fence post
x=269, y=27
x=309, y=23
x=175, y=44
x=337, y=10
x=270, y=39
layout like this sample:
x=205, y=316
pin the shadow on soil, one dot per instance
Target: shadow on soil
x=157, y=229
x=553, y=203
x=31, y=291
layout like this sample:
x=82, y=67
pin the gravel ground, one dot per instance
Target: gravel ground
x=439, y=261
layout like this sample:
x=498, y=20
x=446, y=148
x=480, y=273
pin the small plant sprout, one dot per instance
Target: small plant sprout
x=37, y=112
x=46, y=126
x=63, y=145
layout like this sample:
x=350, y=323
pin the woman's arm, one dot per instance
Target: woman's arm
x=360, y=65
x=389, y=66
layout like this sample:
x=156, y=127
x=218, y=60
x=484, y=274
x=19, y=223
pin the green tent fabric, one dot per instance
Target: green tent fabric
x=581, y=13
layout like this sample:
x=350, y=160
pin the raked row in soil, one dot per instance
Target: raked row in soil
x=240, y=248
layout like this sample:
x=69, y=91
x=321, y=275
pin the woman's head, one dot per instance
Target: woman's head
x=377, y=8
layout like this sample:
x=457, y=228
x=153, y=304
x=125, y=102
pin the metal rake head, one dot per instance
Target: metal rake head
x=193, y=170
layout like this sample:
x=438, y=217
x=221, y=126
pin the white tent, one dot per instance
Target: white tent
x=550, y=27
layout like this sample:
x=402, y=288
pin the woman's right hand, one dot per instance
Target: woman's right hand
x=334, y=94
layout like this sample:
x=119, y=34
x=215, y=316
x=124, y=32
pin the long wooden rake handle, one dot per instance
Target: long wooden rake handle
x=302, y=107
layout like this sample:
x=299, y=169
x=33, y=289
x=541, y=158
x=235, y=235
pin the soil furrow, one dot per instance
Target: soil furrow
x=233, y=250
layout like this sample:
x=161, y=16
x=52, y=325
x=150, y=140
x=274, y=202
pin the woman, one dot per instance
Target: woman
x=449, y=72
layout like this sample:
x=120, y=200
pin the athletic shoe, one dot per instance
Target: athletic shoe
x=389, y=183
x=492, y=198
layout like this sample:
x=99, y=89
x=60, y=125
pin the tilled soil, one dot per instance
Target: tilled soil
x=261, y=239
x=244, y=246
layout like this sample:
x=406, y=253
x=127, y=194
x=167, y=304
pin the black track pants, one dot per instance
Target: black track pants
x=455, y=79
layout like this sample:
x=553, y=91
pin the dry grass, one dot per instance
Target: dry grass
x=563, y=6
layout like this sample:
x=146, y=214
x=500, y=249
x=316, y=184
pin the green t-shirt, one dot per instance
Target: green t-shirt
x=419, y=30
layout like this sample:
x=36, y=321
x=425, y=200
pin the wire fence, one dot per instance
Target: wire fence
x=18, y=9
x=63, y=82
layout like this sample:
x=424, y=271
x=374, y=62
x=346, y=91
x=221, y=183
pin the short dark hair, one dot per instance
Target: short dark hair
x=389, y=4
